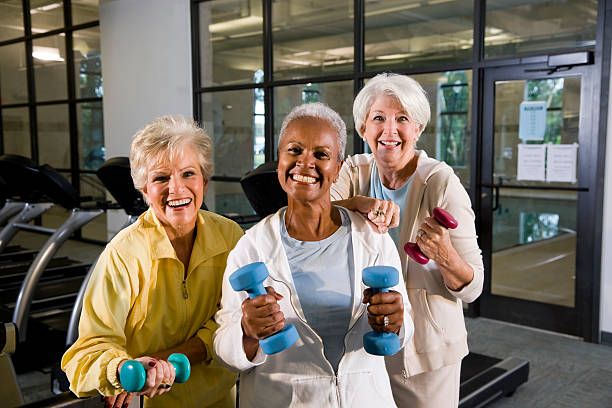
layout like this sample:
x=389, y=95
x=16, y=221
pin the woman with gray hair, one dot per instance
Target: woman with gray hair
x=399, y=185
x=157, y=285
x=315, y=253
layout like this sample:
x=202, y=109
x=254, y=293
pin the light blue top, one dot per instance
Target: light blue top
x=378, y=190
x=323, y=273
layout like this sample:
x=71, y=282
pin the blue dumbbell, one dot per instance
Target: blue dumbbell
x=380, y=279
x=133, y=375
x=250, y=279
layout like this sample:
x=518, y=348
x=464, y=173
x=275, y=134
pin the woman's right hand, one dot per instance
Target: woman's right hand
x=382, y=214
x=160, y=377
x=261, y=316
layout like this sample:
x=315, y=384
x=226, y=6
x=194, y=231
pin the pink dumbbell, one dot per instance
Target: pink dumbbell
x=444, y=218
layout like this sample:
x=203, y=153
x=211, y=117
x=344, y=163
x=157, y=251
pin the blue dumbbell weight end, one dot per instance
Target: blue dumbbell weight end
x=380, y=279
x=250, y=279
x=133, y=375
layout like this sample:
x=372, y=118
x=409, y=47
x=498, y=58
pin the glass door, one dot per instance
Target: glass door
x=536, y=145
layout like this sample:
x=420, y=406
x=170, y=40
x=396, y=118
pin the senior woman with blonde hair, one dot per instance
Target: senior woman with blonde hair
x=157, y=285
x=399, y=185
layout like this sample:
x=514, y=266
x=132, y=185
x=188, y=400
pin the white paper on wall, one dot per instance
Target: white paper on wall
x=561, y=163
x=532, y=120
x=531, y=162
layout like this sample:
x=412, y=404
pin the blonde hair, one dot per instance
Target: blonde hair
x=408, y=92
x=162, y=140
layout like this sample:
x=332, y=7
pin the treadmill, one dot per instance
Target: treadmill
x=483, y=378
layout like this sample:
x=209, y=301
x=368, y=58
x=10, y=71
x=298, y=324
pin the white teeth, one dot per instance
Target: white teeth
x=178, y=203
x=304, y=179
x=389, y=143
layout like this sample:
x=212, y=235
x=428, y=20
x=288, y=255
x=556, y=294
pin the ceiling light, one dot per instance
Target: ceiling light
x=46, y=53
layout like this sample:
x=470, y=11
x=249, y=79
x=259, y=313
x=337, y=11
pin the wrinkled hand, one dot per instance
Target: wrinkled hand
x=261, y=316
x=382, y=214
x=160, y=377
x=435, y=242
x=117, y=401
x=384, y=304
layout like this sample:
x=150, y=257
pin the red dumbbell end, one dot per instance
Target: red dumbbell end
x=413, y=251
x=444, y=218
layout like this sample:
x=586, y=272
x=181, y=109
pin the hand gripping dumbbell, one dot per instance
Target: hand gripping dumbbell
x=444, y=218
x=380, y=279
x=250, y=279
x=133, y=374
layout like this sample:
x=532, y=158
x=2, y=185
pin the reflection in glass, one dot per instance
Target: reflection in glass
x=231, y=38
x=337, y=95
x=409, y=33
x=84, y=11
x=13, y=79
x=91, y=135
x=91, y=186
x=234, y=120
x=11, y=19
x=16, y=131
x=227, y=198
x=447, y=137
x=53, y=136
x=562, y=97
x=50, y=68
x=88, y=63
x=529, y=27
x=46, y=15
x=313, y=38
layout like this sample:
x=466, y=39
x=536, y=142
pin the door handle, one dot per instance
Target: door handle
x=496, y=197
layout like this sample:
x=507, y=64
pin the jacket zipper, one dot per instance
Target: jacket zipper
x=184, y=287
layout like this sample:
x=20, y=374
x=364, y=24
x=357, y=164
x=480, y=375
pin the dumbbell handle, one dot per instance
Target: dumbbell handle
x=446, y=220
x=133, y=374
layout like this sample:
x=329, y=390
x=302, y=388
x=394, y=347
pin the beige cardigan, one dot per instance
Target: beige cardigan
x=440, y=337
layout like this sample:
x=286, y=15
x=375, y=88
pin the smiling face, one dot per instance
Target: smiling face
x=175, y=190
x=308, y=159
x=389, y=132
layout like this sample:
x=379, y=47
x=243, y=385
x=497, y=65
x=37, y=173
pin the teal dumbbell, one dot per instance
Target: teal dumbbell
x=250, y=279
x=380, y=279
x=133, y=374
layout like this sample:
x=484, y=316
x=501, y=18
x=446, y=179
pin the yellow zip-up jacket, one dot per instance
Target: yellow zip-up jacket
x=138, y=302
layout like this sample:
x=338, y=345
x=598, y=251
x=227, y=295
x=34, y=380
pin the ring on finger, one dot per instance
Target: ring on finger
x=378, y=212
x=386, y=321
x=420, y=233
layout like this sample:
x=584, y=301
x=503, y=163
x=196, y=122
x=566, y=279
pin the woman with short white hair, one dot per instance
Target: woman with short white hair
x=157, y=285
x=397, y=187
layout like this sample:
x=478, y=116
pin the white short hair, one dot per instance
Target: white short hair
x=318, y=110
x=408, y=92
x=162, y=140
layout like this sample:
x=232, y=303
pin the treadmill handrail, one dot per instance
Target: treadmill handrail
x=77, y=219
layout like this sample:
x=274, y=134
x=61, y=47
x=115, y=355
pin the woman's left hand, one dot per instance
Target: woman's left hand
x=118, y=401
x=434, y=241
x=385, y=307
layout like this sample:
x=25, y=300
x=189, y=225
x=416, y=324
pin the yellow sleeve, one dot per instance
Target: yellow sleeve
x=91, y=362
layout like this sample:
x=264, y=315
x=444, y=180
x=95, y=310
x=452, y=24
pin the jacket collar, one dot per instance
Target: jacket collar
x=209, y=240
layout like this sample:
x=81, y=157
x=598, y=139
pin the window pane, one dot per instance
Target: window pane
x=11, y=19
x=312, y=38
x=91, y=135
x=84, y=11
x=538, y=26
x=227, y=198
x=91, y=186
x=231, y=41
x=408, y=33
x=13, y=79
x=447, y=136
x=50, y=68
x=338, y=95
x=53, y=136
x=16, y=131
x=46, y=15
x=231, y=121
x=88, y=63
